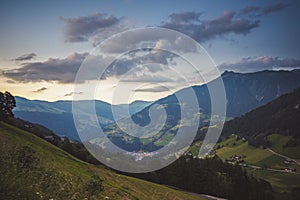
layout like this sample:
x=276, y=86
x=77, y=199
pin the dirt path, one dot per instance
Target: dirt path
x=271, y=169
x=283, y=156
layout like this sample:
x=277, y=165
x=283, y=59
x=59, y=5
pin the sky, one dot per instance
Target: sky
x=44, y=43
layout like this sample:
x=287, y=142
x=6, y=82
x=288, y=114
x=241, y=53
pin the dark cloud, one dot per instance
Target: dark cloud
x=100, y=25
x=54, y=69
x=10, y=81
x=250, y=9
x=203, y=30
x=184, y=17
x=274, y=8
x=64, y=70
x=255, y=11
x=150, y=79
x=82, y=28
x=230, y=22
x=25, y=57
x=252, y=64
x=41, y=89
x=153, y=89
x=72, y=93
x=148, y=60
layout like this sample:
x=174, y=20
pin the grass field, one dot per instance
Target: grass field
x=282, y=182
x=256, y=156
x=263, y=158
x=278, y=141
x=231, y=147
x=48, y=172
x=194, y=149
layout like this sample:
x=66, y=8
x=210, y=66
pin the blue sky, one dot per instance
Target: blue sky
x=242, y=36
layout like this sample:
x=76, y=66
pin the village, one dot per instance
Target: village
x=239, y=159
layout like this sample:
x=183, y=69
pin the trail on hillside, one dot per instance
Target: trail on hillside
x=271, y=169
x=283, y=156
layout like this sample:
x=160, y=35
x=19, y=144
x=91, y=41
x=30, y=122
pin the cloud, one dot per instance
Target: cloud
x=204, y=30
x=64, y=70
x=41, y=89
x=147, y=61
x=153, y=89
x=150, y=38
x=185, y=17
x=10, y=81
x=252, y=64
x=82, y=28
x=274, y=8
x=53, y=69
x=249, y=9
x=150, y=79
x=230, y=22
x=101, y=25
x=256, y=11
x=72, y=93
x=25, y=57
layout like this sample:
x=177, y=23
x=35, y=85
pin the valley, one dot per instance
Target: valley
x=150, y=100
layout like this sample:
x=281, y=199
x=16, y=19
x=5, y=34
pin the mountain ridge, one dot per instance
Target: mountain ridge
x=244, y=92
x=278, y=116
x=58, y=116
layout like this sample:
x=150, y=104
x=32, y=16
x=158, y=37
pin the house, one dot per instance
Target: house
x=290, y=170
x=28, y=126
x=49, y=137
x=236, y=159
x=288, y=161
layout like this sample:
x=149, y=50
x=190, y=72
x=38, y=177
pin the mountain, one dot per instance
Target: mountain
x=58, y=117
x=266, y=142
x=31, y=168
x=280, y=116
x=244, y=92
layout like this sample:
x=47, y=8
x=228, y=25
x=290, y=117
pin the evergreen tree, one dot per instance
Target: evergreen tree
x=7, y=103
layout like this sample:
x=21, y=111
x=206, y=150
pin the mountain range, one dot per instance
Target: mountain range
x=244, y=92
x=58, y=117
x=267, y=138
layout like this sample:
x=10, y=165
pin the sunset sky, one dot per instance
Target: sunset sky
x=43, y=43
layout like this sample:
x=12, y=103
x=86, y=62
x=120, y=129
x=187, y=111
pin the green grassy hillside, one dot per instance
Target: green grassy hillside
x=263, y=163
x=279, y=145
x=31, y=168
x=278, y=116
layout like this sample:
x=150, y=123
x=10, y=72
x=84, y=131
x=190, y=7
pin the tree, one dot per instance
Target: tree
x=7, y=103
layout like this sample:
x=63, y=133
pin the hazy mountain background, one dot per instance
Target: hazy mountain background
x=58, y=117
x=244, y=92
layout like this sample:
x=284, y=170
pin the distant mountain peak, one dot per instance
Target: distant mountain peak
x=228, y=72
